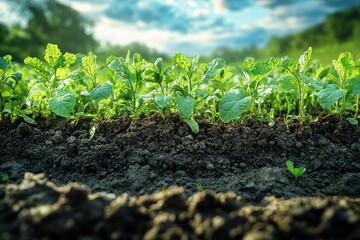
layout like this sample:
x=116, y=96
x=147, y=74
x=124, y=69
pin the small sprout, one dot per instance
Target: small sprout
x=4, y=177
x=296, y=172
x=164, y=189
x=199, y=187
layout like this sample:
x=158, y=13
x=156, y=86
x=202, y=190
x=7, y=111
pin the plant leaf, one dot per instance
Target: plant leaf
x=186, y=105
x=181, y=61
x=330, y=95
x=89, y=65
x=232, y=105
x=213, y=68
x=352, y=121
x=52, y=54
x=354, y=85
x=290, y=166
x=193, y=125
x=3, y=64
x=63, y=105
x=102, y=91
x=163, y=101
x=304, y=59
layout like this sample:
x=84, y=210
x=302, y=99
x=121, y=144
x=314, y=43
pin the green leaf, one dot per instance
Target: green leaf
x=304, y=59
x=330, y=95
x=63, y=105
x=52, y=54
x=181, y=61
x=101, y=92
x=232, y=105
x=290, y=165
x=62, y=73
x=312, y=82
x=28, y=119
x=3, y=64
x=344, y=66
x=298, y=172
x=69, y=59
x=194, y=126
x=4, y=177
x=159, y=64
x=194, y=62
x=89, y=65
x=163, y=101
x=213, y=68
x=354, y=85
x=287, y=83
x=186, y=105
x=16, y=76
x=289, y=63
x=37, y=64
x=352, y=121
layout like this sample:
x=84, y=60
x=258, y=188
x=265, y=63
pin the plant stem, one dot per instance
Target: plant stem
x=357, y=106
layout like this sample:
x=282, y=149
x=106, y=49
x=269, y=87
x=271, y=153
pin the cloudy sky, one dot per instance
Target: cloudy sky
x=200, y=26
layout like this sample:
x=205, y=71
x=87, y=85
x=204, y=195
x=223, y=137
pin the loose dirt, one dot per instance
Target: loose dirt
x=248, y=191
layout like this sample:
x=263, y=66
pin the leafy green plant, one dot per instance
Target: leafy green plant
x=93, y=92
x=298, y=72
x=14, y=92
x=50, y=86
x=296, y=172
x=183, y=88
x=162, y=76
x=130, y=69
x=75, y=86
x=255, y=74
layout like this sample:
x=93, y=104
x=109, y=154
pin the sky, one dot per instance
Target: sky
x=200, y=26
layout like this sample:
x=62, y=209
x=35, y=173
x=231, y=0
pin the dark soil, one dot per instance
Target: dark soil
x=153, y=154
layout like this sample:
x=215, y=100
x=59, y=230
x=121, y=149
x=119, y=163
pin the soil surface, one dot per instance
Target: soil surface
x=132, y=160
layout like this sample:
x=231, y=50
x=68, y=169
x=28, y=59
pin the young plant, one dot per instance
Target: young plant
x=298, y=72
x=256, y=82
x=162, y=76
x=183, y=90
x=52, y=85
x=199, y=187
x=347, y=84
x=13, y=92
x=130, y=69
x=4, y=177
x=296, y=172
x=93, y=91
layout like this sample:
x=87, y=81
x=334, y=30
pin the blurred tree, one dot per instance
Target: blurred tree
x=46, y=21
x=235, y=54
x=121, y=51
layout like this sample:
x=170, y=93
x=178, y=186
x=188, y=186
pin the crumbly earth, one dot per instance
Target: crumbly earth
x=133, y=160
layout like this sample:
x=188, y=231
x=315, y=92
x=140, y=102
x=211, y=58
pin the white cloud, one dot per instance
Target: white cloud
x=199, y=26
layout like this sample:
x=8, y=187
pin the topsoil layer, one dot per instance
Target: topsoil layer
x=153, y=154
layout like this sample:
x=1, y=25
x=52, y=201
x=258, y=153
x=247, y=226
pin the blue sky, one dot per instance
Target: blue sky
x=200, y=26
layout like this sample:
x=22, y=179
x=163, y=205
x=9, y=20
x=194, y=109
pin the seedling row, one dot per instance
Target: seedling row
x=76, y=86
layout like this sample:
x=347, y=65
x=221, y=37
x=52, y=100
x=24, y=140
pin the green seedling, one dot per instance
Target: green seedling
x=199, y=187
x=296, y=172
x=164, y=189
x=4, y=177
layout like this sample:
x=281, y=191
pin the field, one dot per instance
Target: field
x=139, y=150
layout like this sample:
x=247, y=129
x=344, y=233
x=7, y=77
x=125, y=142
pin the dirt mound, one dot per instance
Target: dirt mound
x=37, y=209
